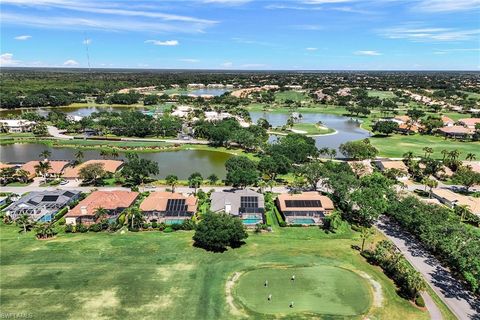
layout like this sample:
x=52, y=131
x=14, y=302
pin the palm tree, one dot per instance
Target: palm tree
x=100, y=213
x=42, y=168
x=114, y=153
x=462, y=210
x=407, y=157
x=444, y=153
x=104, y=153
x=454, y=154
x=172, y=181
x=262, y=184
x=428, y=151
x=22, y=175
x=134, y=215
x=213, y=178
x=332, y=153
x=430, y=183
x=24, y=222
x=365, y=235
x=79, y=156
x=44, y=230
x=470, y=157
x=271, y=184
x=195, y=182
x=45, y=154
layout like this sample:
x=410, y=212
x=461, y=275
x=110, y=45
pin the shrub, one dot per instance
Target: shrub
x=420, y=302
x=69, y=228
x=81, y=228
x=282, y=223
x=168, y=229
x=61, y=221
x=60, y=213
x=176, y=226
x=134, y=189
x=162, y=226
x=96, y=227
x=154, y=224
x=146, y=225
x=188, y=224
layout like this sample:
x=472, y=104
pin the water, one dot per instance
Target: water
x=348, y=129
x=251, y=221
x=302, y=221
x=173, y=221
x=180, y=163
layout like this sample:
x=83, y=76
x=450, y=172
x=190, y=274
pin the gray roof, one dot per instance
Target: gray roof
x=39, y=203
x=233, y=197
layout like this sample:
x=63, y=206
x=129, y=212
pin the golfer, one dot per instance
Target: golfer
x=270, y=297
x=291, y=304
x=266, y=283
x=293, y=277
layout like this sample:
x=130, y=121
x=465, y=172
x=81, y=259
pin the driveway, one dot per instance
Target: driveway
x=460, y=301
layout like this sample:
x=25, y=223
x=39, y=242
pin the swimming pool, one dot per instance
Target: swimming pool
x=302, y=221
x=252, y=221
x=174, y=221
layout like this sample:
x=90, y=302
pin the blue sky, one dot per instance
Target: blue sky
x=242, y=34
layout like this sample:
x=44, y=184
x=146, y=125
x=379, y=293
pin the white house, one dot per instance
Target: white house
x=15, y=126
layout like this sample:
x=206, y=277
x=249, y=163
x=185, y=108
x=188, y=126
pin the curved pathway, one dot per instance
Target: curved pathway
x=460, y=301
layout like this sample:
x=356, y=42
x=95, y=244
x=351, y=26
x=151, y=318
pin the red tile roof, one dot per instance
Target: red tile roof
x=157, y=201
x=109, y=200
x=57, y=167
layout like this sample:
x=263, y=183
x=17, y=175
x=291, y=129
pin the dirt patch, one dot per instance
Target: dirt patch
x=165, y=273
x=377, y=290
x=95, y=304
x=228, y=293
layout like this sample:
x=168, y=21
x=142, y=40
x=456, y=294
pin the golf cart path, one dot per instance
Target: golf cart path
x=460, y=301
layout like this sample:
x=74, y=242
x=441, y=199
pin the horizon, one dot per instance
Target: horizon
x=323, y=35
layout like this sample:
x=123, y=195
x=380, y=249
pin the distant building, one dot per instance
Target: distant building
x=56, y=170
x=41, y=205
x=110, y=166
x=17, y=126
x=457, y=132
x=447, y=122
x=469, y=122
x=385, y=165
x=168, y=207
x=452, y=199
x=308, y=208
x=112, y=201
x=245, y=204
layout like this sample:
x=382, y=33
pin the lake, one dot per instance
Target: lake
x=180, y=163
x=347, y=128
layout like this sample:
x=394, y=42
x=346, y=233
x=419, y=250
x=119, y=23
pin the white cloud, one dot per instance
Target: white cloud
x=227, y=64
x=311, y=49
x=425, y=34
x=70, y=63
x=447, y=5
x=189, y=60
x=6, y=60
x=168, y=43
x=367, y=53
x=310, y=27
x=87, y=41
x=23, y=37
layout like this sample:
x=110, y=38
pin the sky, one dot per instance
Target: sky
x=242, y=34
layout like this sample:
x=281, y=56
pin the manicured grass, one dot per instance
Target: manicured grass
x=381, y=94
x=396, y=145
x=18, y=184
x=151, y=275
x=319, y=289
x=305, y=128
x=281, y=96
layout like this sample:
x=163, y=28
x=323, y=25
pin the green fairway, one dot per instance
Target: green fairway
x=281, y=96
x=323, y=290
x=396, y=145
x=152, y=275
x=381, y=94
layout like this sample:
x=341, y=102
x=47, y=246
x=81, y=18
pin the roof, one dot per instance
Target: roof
x=234, y=199
x=108, y=165
x=57, y=167
x=109, y=200
x=403, y=118
x=325, y=202
x=361, y=168
x=16, y=123
x=5, y=165
x=458, y=199
x=446, y=120
x=43, y=199
x=456, y=129
x=392, y=164
x=470, y=122
x=157, y=201
x=474, y=165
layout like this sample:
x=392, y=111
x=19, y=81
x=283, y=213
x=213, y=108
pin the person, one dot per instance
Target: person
x=266, y=283
x=293, y=277
x=270, y=297
x=291, y=304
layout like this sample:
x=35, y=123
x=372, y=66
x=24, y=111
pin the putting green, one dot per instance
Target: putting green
x=322, y=290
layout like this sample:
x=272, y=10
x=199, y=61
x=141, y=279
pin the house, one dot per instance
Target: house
x=385, y=165
x=455, y=131
x=168, y=207
x=110, y=166
x=245, y=204
x=360, y=168
x=42, y=205
x=56, y=170
x=16, y=126
x=469, y=122
x=182, y=111
x=307, y=208
x=112, y=201
x=6, y=165
x=452, y=199
x=447, y=122
x=474, y=165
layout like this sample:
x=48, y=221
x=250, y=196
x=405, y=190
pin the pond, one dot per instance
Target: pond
x=180, y=163
x=347, y=129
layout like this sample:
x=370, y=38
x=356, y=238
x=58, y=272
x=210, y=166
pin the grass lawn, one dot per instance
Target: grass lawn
x=396, y=145
x=381, y=94
x=147, y=275
x=18, y=184
x=305, y=128
x=281, y=96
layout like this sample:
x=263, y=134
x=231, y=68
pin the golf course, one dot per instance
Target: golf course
x=151, y=275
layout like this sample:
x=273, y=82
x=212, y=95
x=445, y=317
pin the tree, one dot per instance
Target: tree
x=241, y=171
x=312, y=172
x=104, y=153
x=133, y=218
x=172, y=181
x=430, y=183
x=466, y=177
x=216, y=231
x=22, y=175
x=44, y=230
x=366, y=234
x=195, y=181
x=358, y=150
x=79, y=156
x=92, y=173
x=415, y=114
x=274, y=165
x=137, y=169
x=213, y=178
x=40, y=130
x=100, y=213
x=25, y=223
x=297, y=148
x=428, y=151
x=470, y=156
x=42, y=168
x=45, y=154
x=385, y=127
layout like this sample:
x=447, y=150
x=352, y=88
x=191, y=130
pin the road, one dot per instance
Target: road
x=460, y=301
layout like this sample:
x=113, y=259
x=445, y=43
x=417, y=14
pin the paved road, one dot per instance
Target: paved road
x=432, y=308
x=461, y=302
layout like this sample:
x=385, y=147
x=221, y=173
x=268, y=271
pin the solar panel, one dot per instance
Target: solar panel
x=49, y=198
x=249, y=202
x=176, y=205
x=34, y=203
x=68, y=194
x=302, y=203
